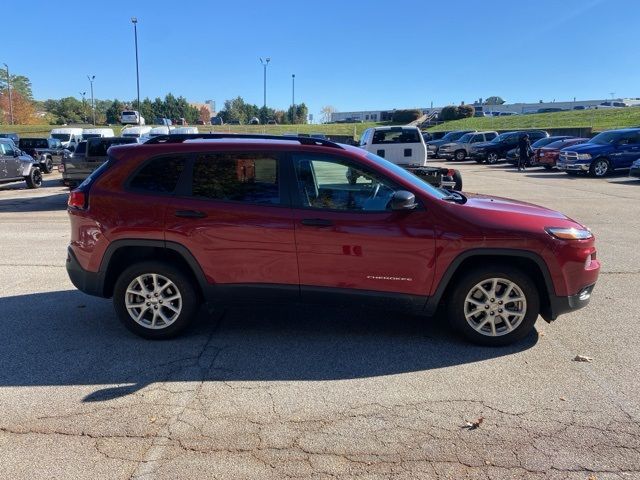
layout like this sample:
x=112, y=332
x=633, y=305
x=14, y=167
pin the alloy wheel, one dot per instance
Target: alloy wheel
x=495, y=307
x=153, y=301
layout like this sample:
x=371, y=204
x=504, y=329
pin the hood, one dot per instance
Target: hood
x=588, y=148
x=450, y=145
x=496, y=214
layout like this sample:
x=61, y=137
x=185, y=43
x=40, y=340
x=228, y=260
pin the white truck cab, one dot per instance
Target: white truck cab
x=403, y=145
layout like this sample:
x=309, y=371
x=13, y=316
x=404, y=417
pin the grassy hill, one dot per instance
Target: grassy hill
x=601, y=119
x=330, y=129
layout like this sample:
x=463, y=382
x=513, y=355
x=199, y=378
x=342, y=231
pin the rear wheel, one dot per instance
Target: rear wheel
x=599, y=167
x=48, y=165
x=155, y=300
x=494, y=305
x=34, y=179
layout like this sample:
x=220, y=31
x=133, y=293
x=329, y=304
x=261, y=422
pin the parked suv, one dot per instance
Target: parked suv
x=16, y=166
x=163, y=226
x=459, y=150
x=89, y=155
x=43, y=150
x=607, y=151
x=491, y=152
x=433, y=146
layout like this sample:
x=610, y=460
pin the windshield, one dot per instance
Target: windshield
x=81, y=148
x=543, y=141
x=466, y=138
x=131, y=135
x=91, y=135
x=63, y=137
x=606, y=138
x=453, y=136
x=502, y=137
x=409, y=177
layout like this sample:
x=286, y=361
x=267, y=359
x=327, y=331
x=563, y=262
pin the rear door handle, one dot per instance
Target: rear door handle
x=317, y=222
x=190, y=214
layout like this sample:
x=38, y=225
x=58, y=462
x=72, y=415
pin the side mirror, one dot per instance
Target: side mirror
x=403, y=200
x=17, y=153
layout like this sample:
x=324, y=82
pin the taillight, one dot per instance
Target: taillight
x=77, y=199
x=451, y=172
x=61, y=168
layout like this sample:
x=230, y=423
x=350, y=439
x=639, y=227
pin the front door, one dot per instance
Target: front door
x=349, y=241
x=627, y=151
x=235, y=218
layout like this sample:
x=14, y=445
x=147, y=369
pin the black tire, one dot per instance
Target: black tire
x=34, y=179
x=460, y=155
x=468, y=282
x=600, y=168
x=492, y=158
x=47, y=167
x=571, y=173
x=479, y=160
x=182, y=286
x=548, y=167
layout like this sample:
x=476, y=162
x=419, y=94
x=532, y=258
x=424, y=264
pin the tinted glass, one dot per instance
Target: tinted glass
x=81, y=148
x=160, y=175
x=33, y=143
x=239, y=177
x=98, y=148
x=466, y=138
x=453, y=136
x=401, y=135
x=61, y=136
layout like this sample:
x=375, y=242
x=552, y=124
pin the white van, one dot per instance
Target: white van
x=69, y=137
x=163, y=130
x=400, y=145
x=131, y=117
x=135, y=132
x=185, y=130
x=97, y=133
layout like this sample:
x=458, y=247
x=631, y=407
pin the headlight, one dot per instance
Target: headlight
x=569, y=233
x=584, y=156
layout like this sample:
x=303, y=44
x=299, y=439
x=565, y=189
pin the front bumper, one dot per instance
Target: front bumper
x=561, y=305
x=445, y=155
x=91, y=283
x=574, y=167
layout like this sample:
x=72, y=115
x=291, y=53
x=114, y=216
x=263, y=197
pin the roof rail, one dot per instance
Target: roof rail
x=181, y=137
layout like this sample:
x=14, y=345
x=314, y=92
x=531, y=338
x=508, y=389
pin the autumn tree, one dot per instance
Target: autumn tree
x=205, y=114
x=22, y=109
x=326, y=111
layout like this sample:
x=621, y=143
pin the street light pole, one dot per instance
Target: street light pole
x=10, y=98
x=134, y=20
x=93, y=107
x=84, y=107
x=293, y=98
x=264, y=64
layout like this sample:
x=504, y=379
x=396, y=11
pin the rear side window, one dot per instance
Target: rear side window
x=239, y=177
x=160, y=175
x=400, y=135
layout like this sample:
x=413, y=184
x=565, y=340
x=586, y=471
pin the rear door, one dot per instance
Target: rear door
x=349, y=241
x=234, y=216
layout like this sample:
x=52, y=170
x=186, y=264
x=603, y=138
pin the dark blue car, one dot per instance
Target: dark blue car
x=608, y=151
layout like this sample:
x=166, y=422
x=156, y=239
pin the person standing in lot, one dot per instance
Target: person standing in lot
x=525, y=147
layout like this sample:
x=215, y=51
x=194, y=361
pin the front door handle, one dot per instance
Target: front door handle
x=317, y=222
x=190, y=214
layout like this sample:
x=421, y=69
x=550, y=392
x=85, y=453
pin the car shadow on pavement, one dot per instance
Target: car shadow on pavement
x=45, y=203
x=68, y=338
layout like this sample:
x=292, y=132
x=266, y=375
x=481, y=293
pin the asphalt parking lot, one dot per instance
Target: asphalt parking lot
x=303, y=392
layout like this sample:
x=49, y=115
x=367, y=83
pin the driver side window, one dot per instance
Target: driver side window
x=330, y=183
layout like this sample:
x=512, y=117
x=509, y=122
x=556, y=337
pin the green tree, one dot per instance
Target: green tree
x=112, y=113
x=494, y=101
x=19, y=83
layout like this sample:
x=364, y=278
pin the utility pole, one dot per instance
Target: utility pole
x=293, y=98
x=93, y=106
x=10, y=98
x=265, y=63
x=134, y=20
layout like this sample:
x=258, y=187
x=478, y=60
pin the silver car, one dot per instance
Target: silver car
x=16, y=166
x=460, y=149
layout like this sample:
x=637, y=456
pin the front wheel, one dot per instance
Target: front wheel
x=460, y=155
x=492, y=158
x=494, y=305
x=155, y=300
x=48, y=165
x=34, y=179
x=599, y=168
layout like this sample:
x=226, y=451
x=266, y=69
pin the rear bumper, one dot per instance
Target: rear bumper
x=562, y=305
x=91, y=283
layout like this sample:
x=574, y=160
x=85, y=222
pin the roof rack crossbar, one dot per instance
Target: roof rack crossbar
x=181, y=137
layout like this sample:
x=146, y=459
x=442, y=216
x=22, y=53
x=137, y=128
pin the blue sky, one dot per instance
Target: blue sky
x=354, y=55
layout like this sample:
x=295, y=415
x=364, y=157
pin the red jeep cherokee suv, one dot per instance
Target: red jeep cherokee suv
x=164, y=226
